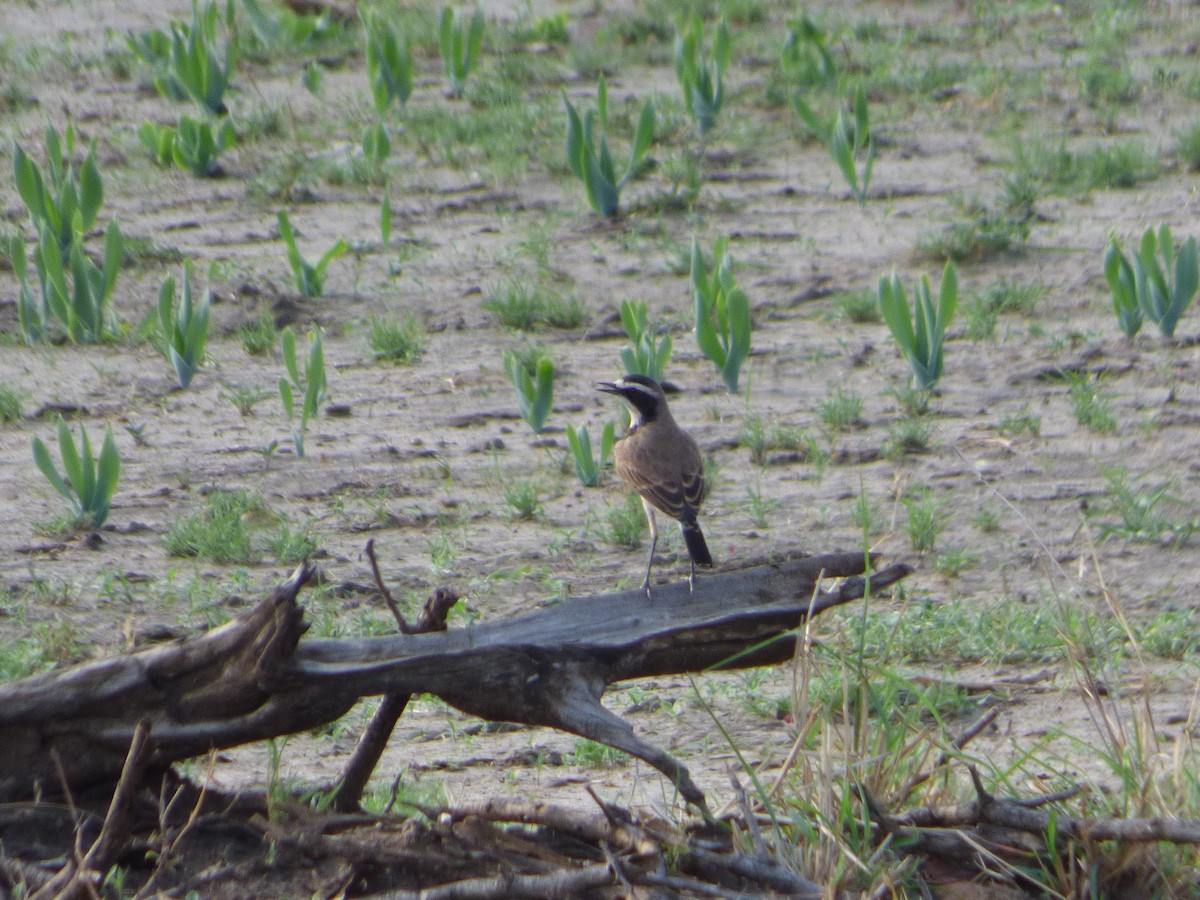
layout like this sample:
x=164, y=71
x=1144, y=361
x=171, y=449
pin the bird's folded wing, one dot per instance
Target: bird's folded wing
x=665, y=491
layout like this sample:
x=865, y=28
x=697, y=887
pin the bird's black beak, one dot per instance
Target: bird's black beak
x=607, y=387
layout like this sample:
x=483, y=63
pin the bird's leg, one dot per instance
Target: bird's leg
x=653, y=545
x=692, y=577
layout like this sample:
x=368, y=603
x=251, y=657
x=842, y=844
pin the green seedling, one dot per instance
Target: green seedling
x=198, y=143
x=184, y=327
x=459, y=46
x=153, y=48
x=310, y=384
x=376, y=146
x=196, y=65
x=1122, y=283
x=1162, y=293
x=61, y=199
x=283, y=31
x=920, y=342
x=847, y=137
x=702, y=80
x=194, y=145
x=587, y=466
x=73, y=290
x=648, y=355
x=589, y=156
x=389, y=64
x=159, y=141
x=722, y=312
x=308, y=278
x=33, y=313
x=535, y=390
x=805, y=59
x=87, y=483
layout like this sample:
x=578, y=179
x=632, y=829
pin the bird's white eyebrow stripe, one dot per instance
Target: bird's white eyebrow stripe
x=633, y=385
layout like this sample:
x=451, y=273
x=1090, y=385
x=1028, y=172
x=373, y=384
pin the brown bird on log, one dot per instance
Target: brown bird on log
x=662, y=463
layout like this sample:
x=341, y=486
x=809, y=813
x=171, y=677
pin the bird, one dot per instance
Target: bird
x=663, y=464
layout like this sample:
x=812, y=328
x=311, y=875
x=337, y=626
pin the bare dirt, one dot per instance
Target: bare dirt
x=422, y=454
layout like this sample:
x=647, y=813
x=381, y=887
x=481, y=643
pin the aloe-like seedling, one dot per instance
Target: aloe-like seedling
x=535, y=391
x=587, y=466
x=722, y=312
x=33, y=312
x=804, y=58
x=310, y=384
x=153, y=48
x=1169, y=289
x=1161, y=293
x=74, y=290
x=159, y=141
x=920, y=333
x=195, y=63
x=198, y=143
x=702, y=80
x=308, y=278
x=389, y=64
x=283, y=31
x=60, y=199
x=847, y=137
x=376, y=145
x=591, y=160
x=1123, y=284
x=459, y=46
x=648, y=354
x=87, y=483
x=184, y=327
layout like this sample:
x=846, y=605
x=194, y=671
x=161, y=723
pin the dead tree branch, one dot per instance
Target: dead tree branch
x=254, y=678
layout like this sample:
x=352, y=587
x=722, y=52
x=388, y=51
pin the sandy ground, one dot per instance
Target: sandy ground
x=421, y=456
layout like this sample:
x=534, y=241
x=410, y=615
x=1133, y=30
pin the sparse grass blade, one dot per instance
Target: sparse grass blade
x=87, y=483
x=921, y=332
x=722, y=312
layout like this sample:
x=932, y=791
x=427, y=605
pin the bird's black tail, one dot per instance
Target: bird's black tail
x=696, y=545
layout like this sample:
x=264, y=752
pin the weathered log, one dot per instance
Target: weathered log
x=254, y=679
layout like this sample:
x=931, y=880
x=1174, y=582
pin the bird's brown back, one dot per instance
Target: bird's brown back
x=671, y=475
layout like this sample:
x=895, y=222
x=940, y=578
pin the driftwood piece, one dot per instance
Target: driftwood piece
x=254, y=679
